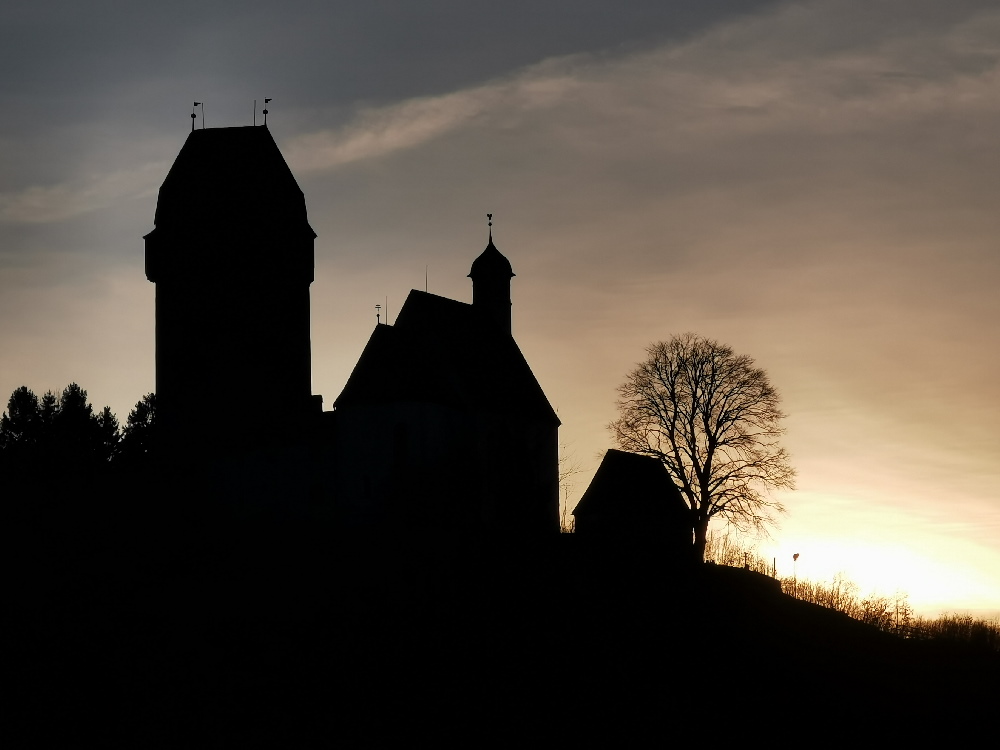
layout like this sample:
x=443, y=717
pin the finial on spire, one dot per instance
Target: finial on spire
x=265, y=111
x=193, y=115
x=489, y=223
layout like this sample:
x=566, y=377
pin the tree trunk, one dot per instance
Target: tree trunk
x=700, y=538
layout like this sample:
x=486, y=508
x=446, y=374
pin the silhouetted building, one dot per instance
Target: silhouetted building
x=632, y=497
x=441, y=424
x=232, y=260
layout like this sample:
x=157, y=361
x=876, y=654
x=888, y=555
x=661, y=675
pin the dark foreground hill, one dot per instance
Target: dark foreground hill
x=282, y=634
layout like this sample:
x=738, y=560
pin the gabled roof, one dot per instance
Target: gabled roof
x=446, y=352
x=231, y=179
x=632, y=485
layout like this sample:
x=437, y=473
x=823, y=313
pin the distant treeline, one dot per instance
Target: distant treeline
x=61, y=433
x=890, y=614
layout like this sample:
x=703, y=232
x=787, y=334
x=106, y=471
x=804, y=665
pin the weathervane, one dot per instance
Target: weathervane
x=255, y=111
x=378, y=314
x=489, y=223
x=193, y=115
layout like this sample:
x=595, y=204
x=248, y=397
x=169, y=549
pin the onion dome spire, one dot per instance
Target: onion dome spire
x=491, y=274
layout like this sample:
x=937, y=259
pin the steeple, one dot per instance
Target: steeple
x=491, y=274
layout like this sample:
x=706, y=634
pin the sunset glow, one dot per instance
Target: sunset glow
x=815, y=184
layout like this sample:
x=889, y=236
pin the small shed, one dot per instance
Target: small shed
x=632, y=497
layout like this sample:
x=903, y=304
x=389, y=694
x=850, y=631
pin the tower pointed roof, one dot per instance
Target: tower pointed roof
x=491, y=263
x=231, y=179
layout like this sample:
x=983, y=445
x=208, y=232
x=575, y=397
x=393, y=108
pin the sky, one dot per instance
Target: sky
x=815, y=184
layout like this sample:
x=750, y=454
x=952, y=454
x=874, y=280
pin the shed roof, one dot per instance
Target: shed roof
x=630, y=484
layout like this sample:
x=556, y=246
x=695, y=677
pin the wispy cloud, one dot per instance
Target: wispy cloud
x=793, y=70
x=41, y=204
x=797, y=69
x=378, y=131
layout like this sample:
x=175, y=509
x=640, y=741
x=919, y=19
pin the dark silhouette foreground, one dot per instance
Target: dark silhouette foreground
x=166, y=629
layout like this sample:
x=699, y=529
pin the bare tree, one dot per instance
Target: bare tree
x=712, y=418
x=569, y=467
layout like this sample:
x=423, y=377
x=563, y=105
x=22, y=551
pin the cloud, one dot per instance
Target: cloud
x=801, y=69
x=378, y=131
x=42, y=204
x=793, y=71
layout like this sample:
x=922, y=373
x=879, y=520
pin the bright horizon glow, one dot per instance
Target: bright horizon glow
x=931, y=586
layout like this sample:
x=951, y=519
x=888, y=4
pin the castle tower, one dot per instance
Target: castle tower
x=491, y=274
x=232, y=259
